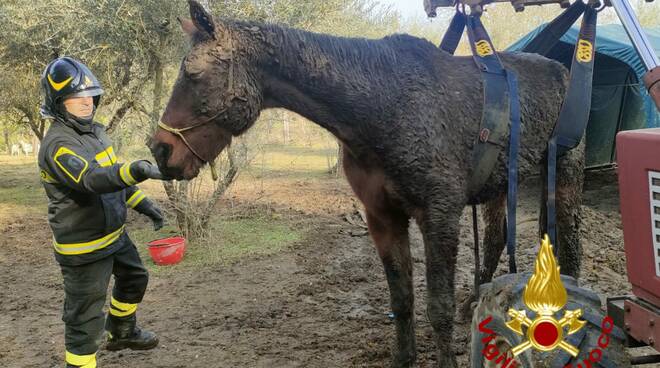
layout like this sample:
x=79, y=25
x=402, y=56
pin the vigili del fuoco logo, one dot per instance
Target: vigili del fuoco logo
x=545, y=295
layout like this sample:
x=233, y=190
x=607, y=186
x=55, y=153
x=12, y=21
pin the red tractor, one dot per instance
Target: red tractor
x=639, y=188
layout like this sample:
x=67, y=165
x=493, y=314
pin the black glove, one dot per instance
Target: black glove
x=143, y=170
x=153, y=212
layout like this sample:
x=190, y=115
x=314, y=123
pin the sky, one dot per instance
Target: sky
x=408, y=8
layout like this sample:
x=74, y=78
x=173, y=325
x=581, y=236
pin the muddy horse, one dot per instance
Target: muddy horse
x=407, y=115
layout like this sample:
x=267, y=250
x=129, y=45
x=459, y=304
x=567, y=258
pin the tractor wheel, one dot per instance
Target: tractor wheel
x=507, y=292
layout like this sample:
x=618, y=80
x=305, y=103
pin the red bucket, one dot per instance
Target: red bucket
x=167, y=251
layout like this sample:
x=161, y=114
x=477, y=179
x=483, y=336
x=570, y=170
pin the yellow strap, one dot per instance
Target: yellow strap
x=125, y=173
x=83, y=361
x=88, y=247
x=121, y=309
x=136, y=198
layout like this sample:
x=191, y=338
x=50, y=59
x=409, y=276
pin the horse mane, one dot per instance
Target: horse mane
x=387, y=55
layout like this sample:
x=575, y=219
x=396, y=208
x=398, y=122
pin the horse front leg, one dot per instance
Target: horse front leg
x=388, y=227
x=440, y=229
x=389, y=230
x=494, y=215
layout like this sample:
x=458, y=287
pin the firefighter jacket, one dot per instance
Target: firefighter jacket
x=88, y=191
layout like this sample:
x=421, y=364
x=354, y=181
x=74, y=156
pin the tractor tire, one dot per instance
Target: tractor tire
x=507, y=292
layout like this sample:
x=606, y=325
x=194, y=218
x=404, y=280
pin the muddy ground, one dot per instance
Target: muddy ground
x=322, y=303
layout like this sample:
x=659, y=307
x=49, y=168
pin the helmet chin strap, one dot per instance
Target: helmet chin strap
x=83, y=119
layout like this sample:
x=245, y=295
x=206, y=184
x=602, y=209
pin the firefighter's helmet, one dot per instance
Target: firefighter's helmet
x=66, y=77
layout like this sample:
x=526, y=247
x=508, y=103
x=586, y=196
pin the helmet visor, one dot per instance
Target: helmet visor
x=90, y=92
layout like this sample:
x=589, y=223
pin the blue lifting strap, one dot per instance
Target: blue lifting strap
x=500, y=95
x=493, y=69
x=574, y=113
x=454, y=33
x=543, y=42
x=512, y=190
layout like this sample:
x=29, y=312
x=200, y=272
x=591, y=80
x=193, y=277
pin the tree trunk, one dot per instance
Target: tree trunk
x=337, y=169
x=340, y=159
x=220, y=189
x=5, y=132
x=177, y=194
x=37, y=128
x=158, y=94
x=36, y=124
x=119, y=115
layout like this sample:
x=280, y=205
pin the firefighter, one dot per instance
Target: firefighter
x=88, y=192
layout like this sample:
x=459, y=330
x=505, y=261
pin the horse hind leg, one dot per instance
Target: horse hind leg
x=440, y=228
x=494, y=215
x=389, y=230
x=570, y=180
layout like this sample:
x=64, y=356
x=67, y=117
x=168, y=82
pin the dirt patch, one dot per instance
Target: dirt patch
x=323, y=303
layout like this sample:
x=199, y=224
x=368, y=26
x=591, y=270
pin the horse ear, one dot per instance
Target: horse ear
x=202, y=20
x=187, y=26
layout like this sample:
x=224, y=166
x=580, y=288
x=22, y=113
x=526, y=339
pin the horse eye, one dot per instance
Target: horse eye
x=194, y=75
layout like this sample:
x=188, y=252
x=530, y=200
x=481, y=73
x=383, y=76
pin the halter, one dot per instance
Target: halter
x=179, y=133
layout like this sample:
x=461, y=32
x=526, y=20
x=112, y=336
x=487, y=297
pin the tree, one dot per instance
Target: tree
x=123, y=42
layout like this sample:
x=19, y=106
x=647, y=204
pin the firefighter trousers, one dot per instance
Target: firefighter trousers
x=85, y=288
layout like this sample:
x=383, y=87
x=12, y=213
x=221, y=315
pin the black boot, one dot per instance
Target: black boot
x=123, y=333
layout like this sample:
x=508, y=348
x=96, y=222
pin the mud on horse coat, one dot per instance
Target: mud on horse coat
x=407, y=115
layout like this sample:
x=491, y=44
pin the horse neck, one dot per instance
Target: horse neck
x=336, y=82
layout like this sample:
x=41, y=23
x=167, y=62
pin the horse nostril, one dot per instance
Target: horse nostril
x=161, y=152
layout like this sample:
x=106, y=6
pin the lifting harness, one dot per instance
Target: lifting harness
x=501, y=110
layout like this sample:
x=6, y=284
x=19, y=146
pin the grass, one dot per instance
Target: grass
x=294, y=160
x=20, y=188
x=232, y=239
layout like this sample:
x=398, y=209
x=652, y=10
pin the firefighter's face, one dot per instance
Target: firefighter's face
x=82, y=107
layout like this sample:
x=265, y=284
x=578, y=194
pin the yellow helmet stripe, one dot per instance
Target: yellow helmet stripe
x=58, y=86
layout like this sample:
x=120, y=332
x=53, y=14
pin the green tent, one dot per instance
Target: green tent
x=619, y=98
